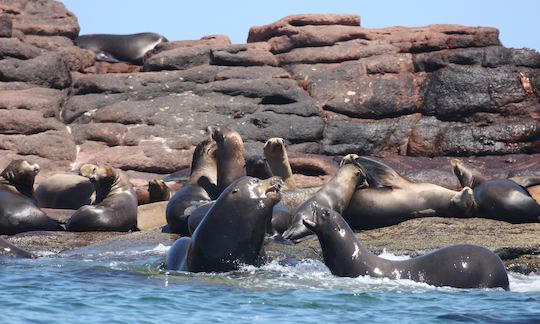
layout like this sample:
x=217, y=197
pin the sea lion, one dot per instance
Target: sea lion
x=203, y=169
x=115, y=207
x=229, y=157
x=19, y=177
x=233, y=230
x=114, y=48
x=335, y=195
x=65, y=191
x=257, y=167
x=278, y=160
x=460, y=266
x=499, y=199
x=18, y=214
x=391, y=199
x=158, y=191
x=11, y=250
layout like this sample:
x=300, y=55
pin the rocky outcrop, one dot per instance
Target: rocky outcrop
x=322, y=82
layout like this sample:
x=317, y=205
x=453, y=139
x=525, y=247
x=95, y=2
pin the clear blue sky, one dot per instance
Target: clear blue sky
x=518, y=20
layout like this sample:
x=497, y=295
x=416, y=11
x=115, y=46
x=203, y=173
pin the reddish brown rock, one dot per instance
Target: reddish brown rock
x=6, y=25
x=12, y=47
x=48, y=70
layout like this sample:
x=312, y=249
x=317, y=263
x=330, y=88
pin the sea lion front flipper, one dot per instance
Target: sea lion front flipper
x=526, y=182
x=210, y=187
x=380, y=174
x=106, y=57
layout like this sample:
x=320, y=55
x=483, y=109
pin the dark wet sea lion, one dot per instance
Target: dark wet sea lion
x=391, y=199
x=65, y=191
x=275, y=154
x=335, y=195
x=229, y=157
x=7, y=248
x=460, y=266
x=203, y=169
x=115, y=207
x=115, y=48
x=232, y=232
x=19, y=177
x=18, y=214
x=500, y=199
x=257, y=167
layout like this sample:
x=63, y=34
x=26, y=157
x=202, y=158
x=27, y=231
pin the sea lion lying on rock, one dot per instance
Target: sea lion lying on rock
x=233, y=230
x=500, y=199
x=460, y=266
x=115, y=207
x=65, y=191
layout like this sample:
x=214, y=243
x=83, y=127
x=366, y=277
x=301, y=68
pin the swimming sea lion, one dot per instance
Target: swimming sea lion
x=203, y=169
x=460, y=266
x=335, y=195
x=65, y=191
x=391, y=199
x=115, y=48
x=19, y=177
x=115, y=207
x=499, y=199
x=10, y=249
x=278, y=160
x=233, y=230
x=229, y=157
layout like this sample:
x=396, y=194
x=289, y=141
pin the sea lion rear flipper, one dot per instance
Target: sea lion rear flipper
x=106, y=57
x=526, y=182
x=380, y=174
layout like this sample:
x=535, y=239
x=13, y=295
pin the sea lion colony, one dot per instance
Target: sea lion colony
x=224, y=215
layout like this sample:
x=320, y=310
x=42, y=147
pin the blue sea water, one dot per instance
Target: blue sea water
x=128, y=287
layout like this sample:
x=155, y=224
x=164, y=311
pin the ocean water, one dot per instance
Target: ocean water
x=89, y=286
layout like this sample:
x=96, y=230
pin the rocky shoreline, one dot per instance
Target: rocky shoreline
x=413, y=97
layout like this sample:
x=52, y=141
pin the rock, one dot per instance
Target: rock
x=243, y=56
x=6, y=25
x=14, y=48
x=48, y=70
x=152, y=215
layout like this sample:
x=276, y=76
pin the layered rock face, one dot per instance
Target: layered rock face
x=322, y=82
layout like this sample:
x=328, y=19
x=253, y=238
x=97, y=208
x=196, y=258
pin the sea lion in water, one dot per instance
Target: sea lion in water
x=499, y=199
x=19, y=177
x=10, y=249
x=233, y=230
x=65, y=191
x=391, y=199
x=278, y=160
x=335, y=195
x=203, y=169
x=115, y=207
x=460, y=266
x=115, y=48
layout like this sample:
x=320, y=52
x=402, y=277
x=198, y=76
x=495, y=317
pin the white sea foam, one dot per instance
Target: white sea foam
x=524, y=283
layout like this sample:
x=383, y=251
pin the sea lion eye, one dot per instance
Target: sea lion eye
x=235, y=190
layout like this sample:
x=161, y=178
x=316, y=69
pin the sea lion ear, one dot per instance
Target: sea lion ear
x=235, y=190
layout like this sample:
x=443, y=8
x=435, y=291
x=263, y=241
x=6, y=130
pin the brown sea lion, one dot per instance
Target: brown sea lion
x=335, y=195
x=115, y=207
x=500, y=199
x=203, y=170
x=19, y=177
x=257, y=167
x=233, y=230
x=65, y=191
x=391, y=199
x=229, y=157
x=460, y=266
x=275, y=154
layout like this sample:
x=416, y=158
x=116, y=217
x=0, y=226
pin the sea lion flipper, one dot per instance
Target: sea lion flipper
x=210, y=187
x=526, y=182
x=380, y=174
x=106, y=57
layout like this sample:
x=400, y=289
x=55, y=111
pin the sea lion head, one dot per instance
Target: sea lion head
x=20, y=172
x=257, y=166
x=360, y=175
x=274, y=146
x=267, y=191
x=158, y=190
x=324, y=220
x=226, y=137
x=102, y=175
x=204, y=155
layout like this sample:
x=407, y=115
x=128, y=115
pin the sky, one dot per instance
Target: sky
x=518, y=21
